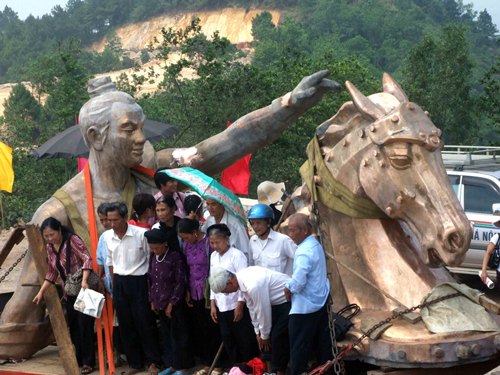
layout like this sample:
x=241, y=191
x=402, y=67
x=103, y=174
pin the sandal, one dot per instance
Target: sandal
x=203, y=371
x=87, y=369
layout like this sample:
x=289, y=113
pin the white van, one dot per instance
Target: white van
x=477, y=191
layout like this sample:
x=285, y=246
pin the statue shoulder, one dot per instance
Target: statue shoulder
x=55, y=208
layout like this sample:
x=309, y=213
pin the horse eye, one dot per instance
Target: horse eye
x=400, y=161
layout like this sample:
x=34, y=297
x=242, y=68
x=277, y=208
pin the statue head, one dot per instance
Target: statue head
x=112, y=123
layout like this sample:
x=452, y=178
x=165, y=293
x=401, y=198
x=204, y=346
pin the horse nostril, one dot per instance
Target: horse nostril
x=453, y=239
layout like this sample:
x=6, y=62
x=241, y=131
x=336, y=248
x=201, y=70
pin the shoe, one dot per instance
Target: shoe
x=153, y=369
x=87, y=369
x=132, y=371
x=216, y=371
x=203, y=371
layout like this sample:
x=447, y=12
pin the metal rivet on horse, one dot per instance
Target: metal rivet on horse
x=395, y=118
x=437, y=352
x=373, y=128
x=361, y=133
x=462, y=351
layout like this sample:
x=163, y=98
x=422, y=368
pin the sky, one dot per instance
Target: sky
x=41, y=7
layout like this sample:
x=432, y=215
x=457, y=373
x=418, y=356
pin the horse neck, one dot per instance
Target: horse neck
x=377, y=265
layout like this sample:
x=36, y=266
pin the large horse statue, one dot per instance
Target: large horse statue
x=388, y=217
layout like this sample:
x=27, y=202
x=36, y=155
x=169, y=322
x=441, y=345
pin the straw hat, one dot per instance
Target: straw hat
x=269, y=192
x=496, y=211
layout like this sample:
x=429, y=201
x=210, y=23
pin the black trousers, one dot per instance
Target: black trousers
x=81, y=330
x=238, y=337
x=204, y=332
x=309, y=334
x=280, y=342
x=137, y=325
x=175, y=330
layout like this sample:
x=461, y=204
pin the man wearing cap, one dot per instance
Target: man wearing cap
x=269, y=249
x=494, y=243
x=262, y=290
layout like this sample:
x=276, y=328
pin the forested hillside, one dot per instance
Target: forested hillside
x=445, y=55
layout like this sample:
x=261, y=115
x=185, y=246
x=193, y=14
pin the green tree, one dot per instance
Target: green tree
x=489, y=104
x=23, y=115
x=437, y=76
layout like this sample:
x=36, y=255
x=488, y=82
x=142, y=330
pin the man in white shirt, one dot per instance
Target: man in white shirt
x=263, y=291
x=228, y=310
x=219, y=215
x=269, y=249
x=127, y=255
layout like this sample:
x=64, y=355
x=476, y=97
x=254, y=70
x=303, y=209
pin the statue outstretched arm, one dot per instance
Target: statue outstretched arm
x=252, y=131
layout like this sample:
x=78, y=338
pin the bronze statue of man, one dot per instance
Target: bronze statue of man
x=111, y=123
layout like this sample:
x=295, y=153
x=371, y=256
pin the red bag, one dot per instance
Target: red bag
x=258, y=366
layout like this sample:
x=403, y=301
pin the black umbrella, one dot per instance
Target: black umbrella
x=70, y=143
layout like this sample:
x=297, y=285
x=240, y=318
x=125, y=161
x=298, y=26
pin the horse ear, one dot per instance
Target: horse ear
x=393, y=88
x=363, y=104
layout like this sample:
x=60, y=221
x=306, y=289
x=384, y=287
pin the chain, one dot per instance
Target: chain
x=340, y=356
x=13, y=265
x=338, y=366
x=401, y=313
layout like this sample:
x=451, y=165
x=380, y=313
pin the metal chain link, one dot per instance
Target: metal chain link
x=338, y=366
x=399, y=314
x=340, y=356
x=13, y=265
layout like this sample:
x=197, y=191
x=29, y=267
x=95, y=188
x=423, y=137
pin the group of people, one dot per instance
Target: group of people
x=181, y=285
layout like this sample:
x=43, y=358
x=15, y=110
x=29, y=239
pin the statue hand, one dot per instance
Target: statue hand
x=311, y=89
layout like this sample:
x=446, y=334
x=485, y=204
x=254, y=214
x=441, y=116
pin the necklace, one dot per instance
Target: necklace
x=162, y=259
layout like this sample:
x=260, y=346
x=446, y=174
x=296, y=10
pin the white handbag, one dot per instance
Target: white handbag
x=89, y=302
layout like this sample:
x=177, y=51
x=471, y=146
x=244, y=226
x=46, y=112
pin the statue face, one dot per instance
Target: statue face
x=126, y=139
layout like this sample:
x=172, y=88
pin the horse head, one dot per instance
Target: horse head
x=386, y=148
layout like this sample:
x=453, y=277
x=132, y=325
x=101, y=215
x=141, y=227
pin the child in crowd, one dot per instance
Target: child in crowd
x=143, y=213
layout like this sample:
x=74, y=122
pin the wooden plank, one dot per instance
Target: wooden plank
x=489, y=304
x=56, y=314
x=15, y=237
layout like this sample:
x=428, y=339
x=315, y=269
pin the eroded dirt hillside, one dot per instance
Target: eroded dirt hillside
x=232, y=23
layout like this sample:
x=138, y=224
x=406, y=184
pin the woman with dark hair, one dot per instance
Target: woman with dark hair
x=165, y=212
x=66, y=254
x=206, y=335
x=229, y=309
x=143, y=213
x=168, y=188
x=193, y=206
x=167, y=276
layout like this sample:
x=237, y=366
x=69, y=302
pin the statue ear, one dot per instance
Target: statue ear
x=97, y=137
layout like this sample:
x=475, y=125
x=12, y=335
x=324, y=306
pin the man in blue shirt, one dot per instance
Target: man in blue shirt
x=308, y=290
